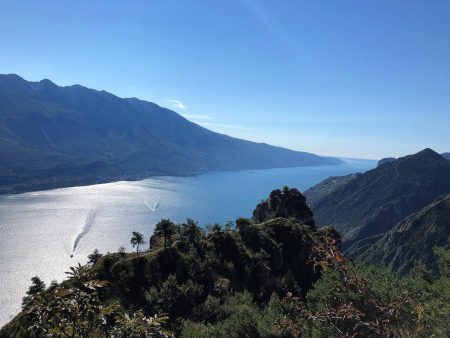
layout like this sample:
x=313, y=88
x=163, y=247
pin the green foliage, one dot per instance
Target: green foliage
x=432, y=308
x=139, y=326
x=94, y=256
x=229, y=226
x=278, y=278
x=173, y=298
x=166, y=229
x=122, y=253
x=211, y=228
x=241, y=222
x=191, y=233
x=37, y=286
x=367, y=301
x=197, y=277
x=136, y=240
x=240, y=317
x=77, y=310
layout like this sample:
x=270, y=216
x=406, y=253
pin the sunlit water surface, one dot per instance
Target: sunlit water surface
x=39, y=230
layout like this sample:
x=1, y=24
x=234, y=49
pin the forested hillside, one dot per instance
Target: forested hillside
x=276, y=275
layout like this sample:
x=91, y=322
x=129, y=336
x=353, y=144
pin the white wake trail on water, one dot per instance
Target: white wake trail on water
x=154, y=207
x=87, y=226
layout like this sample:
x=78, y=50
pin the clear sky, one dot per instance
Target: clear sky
x=335, y=77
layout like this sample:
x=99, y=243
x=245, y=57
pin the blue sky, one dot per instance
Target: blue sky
x=345, y=77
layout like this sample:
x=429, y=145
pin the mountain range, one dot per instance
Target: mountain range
x=53, y=136
x=412, y=239
x=371, y=209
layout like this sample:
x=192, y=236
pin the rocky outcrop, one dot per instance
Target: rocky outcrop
x=285, y=203
x=385, y=160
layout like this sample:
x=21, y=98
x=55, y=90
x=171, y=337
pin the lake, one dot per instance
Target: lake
x=39, y=231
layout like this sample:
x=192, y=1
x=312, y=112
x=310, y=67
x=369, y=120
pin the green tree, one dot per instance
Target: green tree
x=122, y=252
x=75, y=310
x=94, y=256
x=37, y=286
x=166, y=229
x=353, y=301
x=211, y=228
x=191, y=232
x=241, y=223
x=136, y=240
x=137, y=325
x=229, y=226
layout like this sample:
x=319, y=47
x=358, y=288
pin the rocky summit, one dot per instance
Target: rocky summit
x=285, y=203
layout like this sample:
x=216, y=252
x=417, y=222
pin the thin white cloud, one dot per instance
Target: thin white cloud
x=197, y=117
x=177, y=103
x=204, y=121
x=223, y=126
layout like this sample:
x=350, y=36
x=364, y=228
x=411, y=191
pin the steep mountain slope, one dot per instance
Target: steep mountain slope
x=327, y=186
x=51, y=135
x=410, y=240
x=374, y=202
x=385, y=160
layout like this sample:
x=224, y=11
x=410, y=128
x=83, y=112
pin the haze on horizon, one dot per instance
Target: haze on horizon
x=344, y=78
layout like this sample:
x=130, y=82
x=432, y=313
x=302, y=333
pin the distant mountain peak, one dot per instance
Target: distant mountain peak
x=372, y=203
x=13, y=81
x=47, y=82
x=11, y=77
x=425, y=155
x=446, y=156
x=427, y=152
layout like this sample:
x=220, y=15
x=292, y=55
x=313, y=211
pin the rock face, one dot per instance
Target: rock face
x=373, y=203
x=446, y=156
x=385, y=160
x=285, y=203
x=410, y=240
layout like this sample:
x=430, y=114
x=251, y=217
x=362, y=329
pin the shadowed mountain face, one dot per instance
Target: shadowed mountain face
x=410, y=240
x=328, y=186
x=373, y=203
x=392, y=159
x=51, y=136
x=385, y=160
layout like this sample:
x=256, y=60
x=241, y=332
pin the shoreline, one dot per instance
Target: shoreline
x=51, y=183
